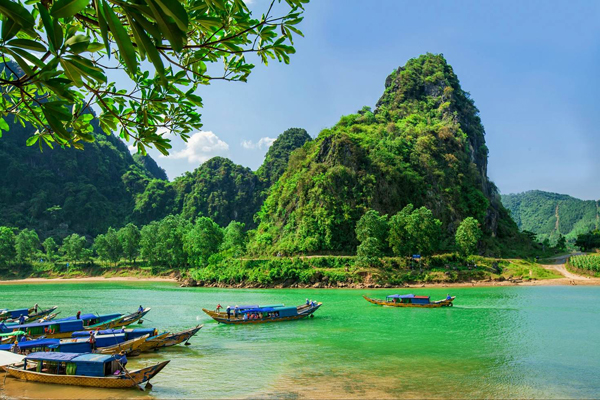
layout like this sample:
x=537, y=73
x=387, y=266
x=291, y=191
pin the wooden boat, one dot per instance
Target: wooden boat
x=105, y=344
x=173, y=339
x=135, y=317
x=153, y=342
x=262, y=314
x=30, y=314
x=411, y=300
x=94, y=370
x=58, y=329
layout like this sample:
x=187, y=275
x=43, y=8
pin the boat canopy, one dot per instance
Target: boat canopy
x=258, y=309
x=29, y=344
x=244, y=307
x=87, y=317
x=73, y=357
x=400, y=296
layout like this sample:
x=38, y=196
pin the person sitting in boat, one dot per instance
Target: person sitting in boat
x=245, y=317
x=235, y=311
x=141, y=309
x=21, y=319
x=228, y=312
x=78, y=314
x=448, y=297
x=35, y=308
x=307, y=302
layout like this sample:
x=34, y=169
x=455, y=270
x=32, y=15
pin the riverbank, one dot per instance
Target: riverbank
x=332, y=272
x=88, y=279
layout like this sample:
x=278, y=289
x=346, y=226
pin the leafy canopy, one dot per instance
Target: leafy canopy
x=468, y=235
x=64, y=49
x=27, y=244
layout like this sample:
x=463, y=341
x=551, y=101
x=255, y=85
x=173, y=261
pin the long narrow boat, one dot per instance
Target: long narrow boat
x=94, y=370
x=173, y=339
x=105, y=344
x=411, y=300
x=30, y=314
x=135, y=317
x=257, y=315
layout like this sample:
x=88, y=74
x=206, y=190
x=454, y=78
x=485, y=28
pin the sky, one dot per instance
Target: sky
x=531, y=67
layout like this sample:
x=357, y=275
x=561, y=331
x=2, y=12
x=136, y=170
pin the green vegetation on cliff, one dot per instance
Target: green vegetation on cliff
x=423, y=145
x=550, y=215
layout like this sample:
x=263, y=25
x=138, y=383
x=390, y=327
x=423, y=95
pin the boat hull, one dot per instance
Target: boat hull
x=436, y=304
x=179, y=337
x=120, y=381
x=221, y=317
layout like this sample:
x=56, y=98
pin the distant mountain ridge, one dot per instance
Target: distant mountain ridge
x=552, y=214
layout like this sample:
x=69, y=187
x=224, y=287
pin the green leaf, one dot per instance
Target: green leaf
x=56, y=124
x=170, y=30
x=175, y=10
x=24, y=66
x=29, y=57
x=67, y=8
x=78, y=43
x=151, y=50
x=32, y=140
x=27, y=44
x=49, y=26
x=71, y=72
x=86, y=68
x=17, y=13
x=3, y=125
x=9, y=28
x=126, y=49
x=103, y=26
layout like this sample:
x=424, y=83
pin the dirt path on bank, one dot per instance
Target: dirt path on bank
x=559, y=265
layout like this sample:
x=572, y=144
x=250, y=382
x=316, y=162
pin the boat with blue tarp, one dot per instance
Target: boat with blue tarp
x=105, y=344
x=94, y=370
x=411, y=300
x=254, y=314
x=28, y=314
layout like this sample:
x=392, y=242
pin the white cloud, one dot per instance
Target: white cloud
x=200, y=147
x=263, y=143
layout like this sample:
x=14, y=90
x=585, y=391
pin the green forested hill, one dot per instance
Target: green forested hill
x=551, y=214
x=423, y=144
x=61, y=191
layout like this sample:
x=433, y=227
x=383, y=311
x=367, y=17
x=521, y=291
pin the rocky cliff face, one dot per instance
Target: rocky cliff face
x=424, y=144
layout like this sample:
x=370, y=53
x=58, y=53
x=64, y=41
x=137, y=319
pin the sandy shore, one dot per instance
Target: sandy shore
x=88, y=279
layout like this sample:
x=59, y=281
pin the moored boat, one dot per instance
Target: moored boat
x=171, y=339
x=94, y=370
x=411, y=300
x=29, y=314
x=262, y=314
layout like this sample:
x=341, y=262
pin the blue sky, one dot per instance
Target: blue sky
x=532, y=68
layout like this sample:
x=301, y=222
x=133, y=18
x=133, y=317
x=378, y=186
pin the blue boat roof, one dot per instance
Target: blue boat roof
x=400, y=296
x=52, y=356
x=100, y=332
x=75, y=357
x=90, y=316
x=258, y=309
x=244, y=307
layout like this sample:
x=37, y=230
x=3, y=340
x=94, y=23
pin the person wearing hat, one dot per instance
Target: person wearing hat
x=122, y=358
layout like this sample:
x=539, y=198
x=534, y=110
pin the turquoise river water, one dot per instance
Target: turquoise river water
x=497, y=342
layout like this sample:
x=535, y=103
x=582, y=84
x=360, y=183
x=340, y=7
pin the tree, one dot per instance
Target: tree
x=202, y=241
x=561, y=243
x=467, y=235
x=161, y=241
x=588, y=241
x=414, y=231
x=7, y=245
x=368, y=252
x=73, y=247
x=65, y=47
x=399, y=239
x=425, y=231
x=27, y=244
x=50, y=248
x=108, y=246
x=371, y=224
x=234, y=239
x=130, y=236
